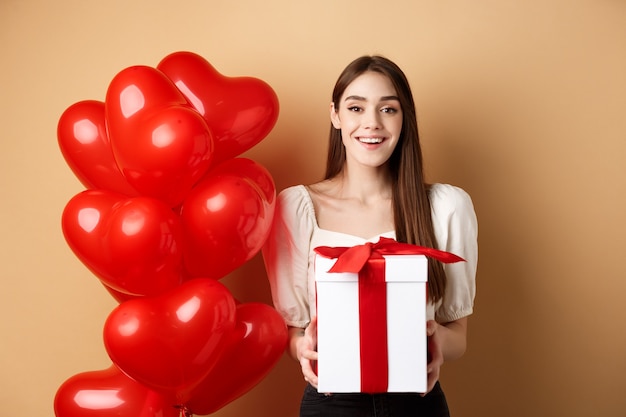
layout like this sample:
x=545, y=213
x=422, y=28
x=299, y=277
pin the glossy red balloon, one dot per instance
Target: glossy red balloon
x=171, y=342
x=109, y=393
x=226, y=218
x=84, y=224
x=260, y=340
x=240, y=111
x=119, y=296
x=134, y=245
x=162, y=145
x=85, y=145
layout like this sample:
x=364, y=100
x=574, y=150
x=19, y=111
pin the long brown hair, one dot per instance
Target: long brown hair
x=411, y=204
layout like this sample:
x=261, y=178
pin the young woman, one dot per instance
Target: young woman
x=374, y=186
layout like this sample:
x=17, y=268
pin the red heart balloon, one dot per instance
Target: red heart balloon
x=240, y=111
x=119, y=296
x=260, y=340
x=226, y=218
x=85, y=145
x=132, y=244
x=109, y=393
x=172, y=341
x=162, y=145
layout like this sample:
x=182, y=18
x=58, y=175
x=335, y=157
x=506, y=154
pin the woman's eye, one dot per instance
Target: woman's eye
x=354, y=108
x=389, y=110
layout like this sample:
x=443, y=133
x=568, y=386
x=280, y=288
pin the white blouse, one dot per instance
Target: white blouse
x=289, y=257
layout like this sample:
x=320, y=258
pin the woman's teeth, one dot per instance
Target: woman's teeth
x=370, y=140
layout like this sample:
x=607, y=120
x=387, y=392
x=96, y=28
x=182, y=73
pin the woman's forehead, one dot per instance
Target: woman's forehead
x=370, y=85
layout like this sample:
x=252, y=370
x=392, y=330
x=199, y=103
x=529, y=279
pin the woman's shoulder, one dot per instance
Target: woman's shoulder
x=292, y=192
x=310, y=195
x=294, y=211
x=295, y=199
x=448, y=198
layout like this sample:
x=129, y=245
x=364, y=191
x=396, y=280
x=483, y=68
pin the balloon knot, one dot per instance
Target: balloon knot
x=184, y=411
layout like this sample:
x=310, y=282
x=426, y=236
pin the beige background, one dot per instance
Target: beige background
x=522, y=103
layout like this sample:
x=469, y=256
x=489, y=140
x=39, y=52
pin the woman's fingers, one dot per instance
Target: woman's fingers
x=306, y=362
x=308, y=354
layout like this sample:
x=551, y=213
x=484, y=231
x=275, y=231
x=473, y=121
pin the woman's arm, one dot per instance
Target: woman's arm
x=453, y=337
x=446, y=342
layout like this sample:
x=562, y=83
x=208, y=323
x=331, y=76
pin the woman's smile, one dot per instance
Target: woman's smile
x=370, y=139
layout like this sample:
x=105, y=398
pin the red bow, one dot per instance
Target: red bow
x=352, y=259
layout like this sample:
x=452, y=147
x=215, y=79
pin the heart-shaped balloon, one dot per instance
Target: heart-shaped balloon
x=260, y=339
x=119, y=296
x=134, y=245
x=172, y=341
x=162, y=145
x=226, y=217
x=108, y=393
x=85, y=145
x=240, y=111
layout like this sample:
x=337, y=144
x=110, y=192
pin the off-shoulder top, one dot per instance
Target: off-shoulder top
x=289, y=257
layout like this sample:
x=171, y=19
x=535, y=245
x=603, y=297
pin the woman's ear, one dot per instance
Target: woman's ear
x=334, y=117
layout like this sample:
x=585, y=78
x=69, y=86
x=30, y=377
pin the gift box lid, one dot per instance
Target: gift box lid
x=398, y=268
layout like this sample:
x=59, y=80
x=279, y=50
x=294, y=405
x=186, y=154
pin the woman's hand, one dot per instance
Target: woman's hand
x=305, y=351
x=435, y=353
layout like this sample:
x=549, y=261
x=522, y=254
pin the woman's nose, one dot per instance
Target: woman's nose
x=371, y=119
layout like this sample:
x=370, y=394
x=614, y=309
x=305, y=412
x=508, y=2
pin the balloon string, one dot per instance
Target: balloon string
x=184, y=411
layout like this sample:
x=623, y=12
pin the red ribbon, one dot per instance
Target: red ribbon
x=367, y=260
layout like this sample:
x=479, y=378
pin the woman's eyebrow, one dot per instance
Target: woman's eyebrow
x=383, y=98
x=357, y=98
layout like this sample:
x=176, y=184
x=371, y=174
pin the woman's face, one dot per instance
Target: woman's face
x=370, y=119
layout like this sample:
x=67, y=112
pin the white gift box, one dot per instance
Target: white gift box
x=338, y=333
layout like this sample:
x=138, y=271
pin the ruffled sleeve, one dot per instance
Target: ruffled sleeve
x=286, y=255
x=456, y=230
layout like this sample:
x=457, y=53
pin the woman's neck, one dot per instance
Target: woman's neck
x=363, y=184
